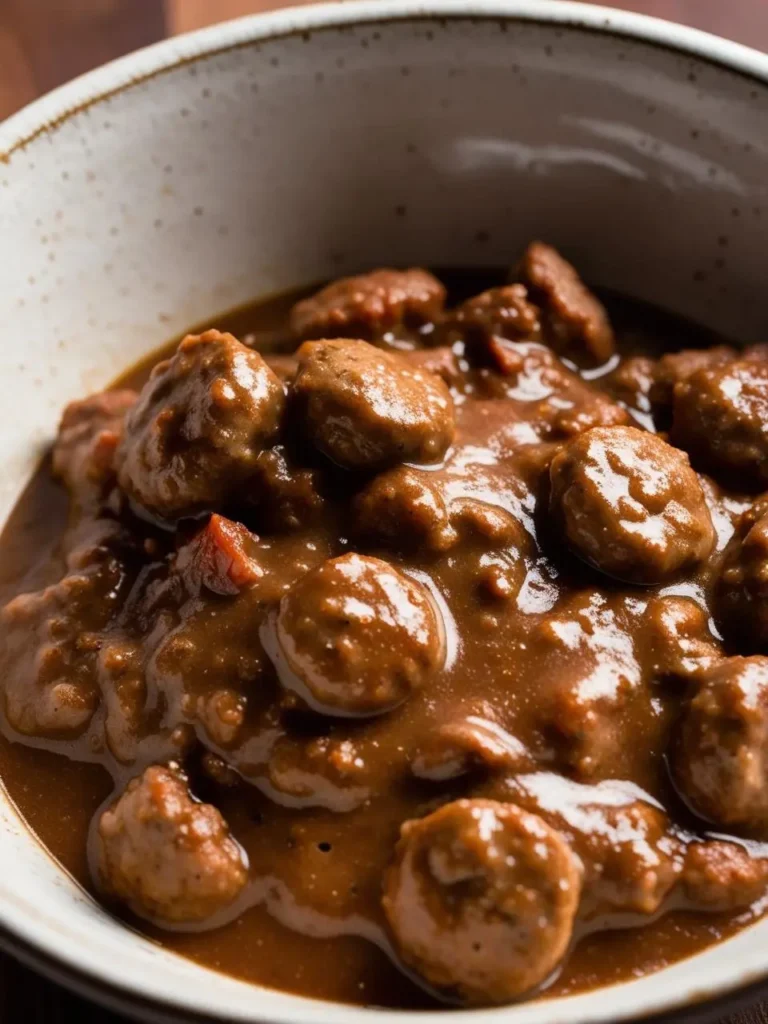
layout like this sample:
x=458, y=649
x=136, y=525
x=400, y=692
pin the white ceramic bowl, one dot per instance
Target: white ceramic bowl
x=249, y=157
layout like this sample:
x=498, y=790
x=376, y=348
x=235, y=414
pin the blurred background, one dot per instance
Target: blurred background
x=46, y=42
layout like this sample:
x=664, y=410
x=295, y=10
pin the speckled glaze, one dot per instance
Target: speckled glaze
x=289, y=147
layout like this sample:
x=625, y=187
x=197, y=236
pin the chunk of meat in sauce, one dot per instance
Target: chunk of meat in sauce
x=720, y=417
x=677, y=640
x=742, y=588
x=286, y=496
x=504, y=312
x=52, y=639
x=481, y=900
x=576, y=322
x=457, y=748
x=220, y=557
x=675, y=368
x=166, y=856
x=367, y=409
x=201, y=421
x=405, y=508
x=355, y=637
x=89, y=433
x=371, y=306
x=720, y=876
x=630, y=505
x=720, y=760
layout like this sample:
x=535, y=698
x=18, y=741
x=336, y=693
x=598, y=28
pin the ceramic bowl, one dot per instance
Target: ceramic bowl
x=202, y=172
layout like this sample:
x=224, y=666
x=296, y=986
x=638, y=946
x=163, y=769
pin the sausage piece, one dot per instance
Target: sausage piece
x=200, y=423
x=720, y=760
x=368, y=409
x=370, y=306
x=167, y=857
x=481, y=899
x=630, y=505
x=355, y=637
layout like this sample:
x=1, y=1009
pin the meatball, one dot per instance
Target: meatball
x=630, y=505
x=370, y=306
x=367, y=409
x=441, y=361
x=481, y=899
x=166, y=856
x=405, y=509
x=742, y=590
x=720, y=759
x=355, y=637
x=575, y=321
x=201, y=421
x=84, y=452
x=720, y=417
x=675, y=367
x=631, y=382
x=500, y=312
x=723, y=876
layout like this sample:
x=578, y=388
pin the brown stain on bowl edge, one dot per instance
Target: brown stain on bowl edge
x=441, y=21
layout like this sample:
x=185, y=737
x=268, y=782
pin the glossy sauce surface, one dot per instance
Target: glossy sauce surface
x=315, y=871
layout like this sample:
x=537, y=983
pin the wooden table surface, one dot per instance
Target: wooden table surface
x=46, y=42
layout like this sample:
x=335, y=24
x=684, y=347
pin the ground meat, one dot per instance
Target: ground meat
x=84, y=452
x=458, y=747
x=630, y=505
x=167, y=857
x=720, y=417
x=199, y=426
x=498, y=313
x=367, y=409
x=720, y=759
x=222, y=557
x=676, y=367
x=356, y=636
x=723, y=876
x=371, y=306
x=405, y=509
x=575, y=321
x=286, y=496
x=742, y=590
x=677, y=640
x=481, y=899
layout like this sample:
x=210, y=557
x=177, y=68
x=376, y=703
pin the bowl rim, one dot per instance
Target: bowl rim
x=36, y=942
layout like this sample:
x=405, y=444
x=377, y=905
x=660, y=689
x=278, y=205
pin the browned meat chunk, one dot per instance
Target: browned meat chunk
x=677, y=639
x=441, y=361
x=720, y=761
x=720, y=417
x=356, y=637
x=367, y=409
x=676, y=367
x=575, y=321
x=723, y=876
x=287, y=497
x=630, y=505
x=321, y=772
x=166, y=856
x=457, y=748
x=405, y=508
x=631, y=382
x=371, y=306
x=742, y=591
x=498, y=313
x=220, y=557
x=481, y=899
x=84, y=452
x=200, y=423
